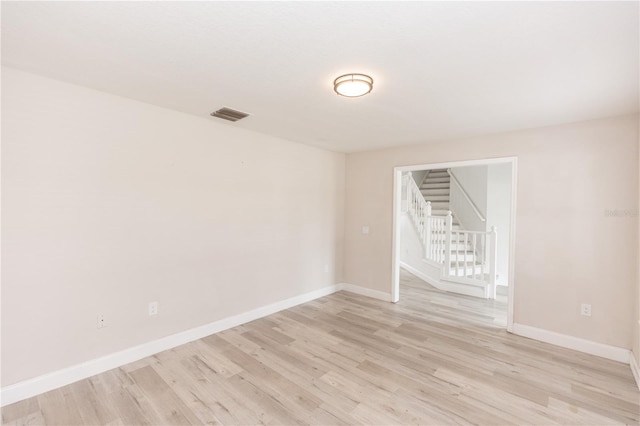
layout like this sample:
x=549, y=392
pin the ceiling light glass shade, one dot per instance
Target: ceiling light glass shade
x=353, y=85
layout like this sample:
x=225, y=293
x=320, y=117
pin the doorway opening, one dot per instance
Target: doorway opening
x=454, y=227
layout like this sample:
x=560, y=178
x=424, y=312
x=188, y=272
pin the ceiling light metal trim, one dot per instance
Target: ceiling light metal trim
x=353, y=85
x=229, y=114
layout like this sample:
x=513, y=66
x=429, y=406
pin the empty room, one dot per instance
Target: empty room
x=327, y=213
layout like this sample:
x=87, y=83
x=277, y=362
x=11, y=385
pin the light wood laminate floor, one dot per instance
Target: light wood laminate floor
x=433, y=358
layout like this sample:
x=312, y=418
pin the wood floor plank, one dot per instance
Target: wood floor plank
x=59, y=407
x=432, y=358
x=166, y=403
x=20, y=410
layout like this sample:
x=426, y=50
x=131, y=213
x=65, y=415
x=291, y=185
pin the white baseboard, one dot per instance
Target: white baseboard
x=466, y=289
x=570, y=342
x=375, y=294
x=56, y=379
x=634, y=368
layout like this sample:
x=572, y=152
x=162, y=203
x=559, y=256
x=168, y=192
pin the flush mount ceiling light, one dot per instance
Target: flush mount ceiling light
x=353, y=85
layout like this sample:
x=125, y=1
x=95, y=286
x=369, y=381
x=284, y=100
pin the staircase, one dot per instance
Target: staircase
x=435, y=189
x=466, y=257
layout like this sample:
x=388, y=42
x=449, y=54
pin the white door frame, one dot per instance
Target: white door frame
x=397, y=197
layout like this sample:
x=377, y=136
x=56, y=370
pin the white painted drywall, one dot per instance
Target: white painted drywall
x=468, y=196
x=418, y=176
x=411, y=249
x=567, y=250
x=110, y=203
x=499, y=214
x=474, y=181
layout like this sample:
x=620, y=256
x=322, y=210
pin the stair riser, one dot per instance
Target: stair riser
x=441, y=185
x=470, y=272
x=439, y=212
x=442, y=198
x=436, y=180
x=461, y=258
x=460, y=246
x=440, y=206
x=464, y=255
x=435, y=192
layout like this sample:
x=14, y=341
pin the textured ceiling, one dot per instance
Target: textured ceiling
x=441, y=69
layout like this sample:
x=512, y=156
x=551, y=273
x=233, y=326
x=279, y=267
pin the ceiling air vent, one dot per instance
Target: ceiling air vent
x=229, y=114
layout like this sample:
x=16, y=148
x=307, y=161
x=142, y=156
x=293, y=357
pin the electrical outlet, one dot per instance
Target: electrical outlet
x=153, y=308
x=101, y=321
x=365, y=230
x=585, y=309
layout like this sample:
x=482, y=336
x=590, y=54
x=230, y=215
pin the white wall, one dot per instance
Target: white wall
x=418, y=176
x=474, y=181
x=468, y=196
x=412, y=251
x=499, y=214
x=110, y=203
x=567, y=250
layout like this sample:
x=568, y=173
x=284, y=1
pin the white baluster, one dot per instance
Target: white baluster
x=447, y=244
x=464, y=248
x=483, y=244
x=474, y=242
x=439, y=253
x=457, y=240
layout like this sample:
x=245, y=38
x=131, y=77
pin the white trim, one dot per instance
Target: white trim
x=635, y=370
x=363, y=291
x=512, y=245
x=452, y=164
x=56, y=379
x=582, y=345
x=395, y=244
x=466, y=289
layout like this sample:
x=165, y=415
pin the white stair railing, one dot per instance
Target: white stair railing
x=466, y=256
x=431, y=229
x=436, y=238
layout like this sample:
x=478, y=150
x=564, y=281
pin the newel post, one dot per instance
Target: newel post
x=447, y=245
x=493, y=261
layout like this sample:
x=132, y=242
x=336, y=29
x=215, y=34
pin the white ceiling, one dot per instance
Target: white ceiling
x=441, y=69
